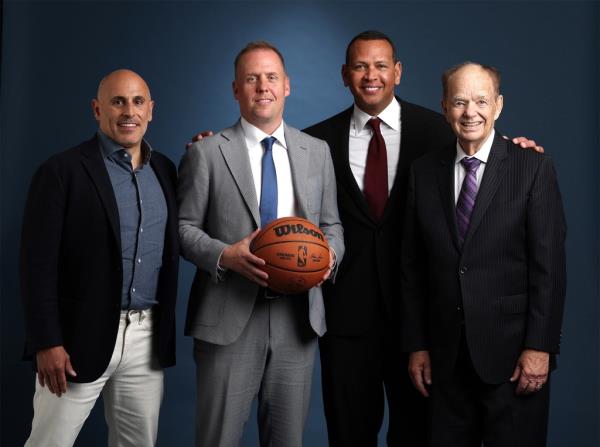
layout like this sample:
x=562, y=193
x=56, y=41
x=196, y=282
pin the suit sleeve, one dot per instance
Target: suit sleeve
x=546, y=230
x=39, y=258
x=413, y=307
x=330, y=222
x=193, y=194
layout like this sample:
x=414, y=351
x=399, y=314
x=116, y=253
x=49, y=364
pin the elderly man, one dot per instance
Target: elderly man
x=249, y=340
x=98, y=265
x=483, y=275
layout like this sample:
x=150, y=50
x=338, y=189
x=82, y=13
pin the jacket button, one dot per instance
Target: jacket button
x=463, y=270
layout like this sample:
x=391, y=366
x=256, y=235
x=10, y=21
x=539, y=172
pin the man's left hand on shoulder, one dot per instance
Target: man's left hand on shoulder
x=531, y=371
x=526, y=143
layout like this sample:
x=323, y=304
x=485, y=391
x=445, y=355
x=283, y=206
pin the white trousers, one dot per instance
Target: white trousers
x=131, y=387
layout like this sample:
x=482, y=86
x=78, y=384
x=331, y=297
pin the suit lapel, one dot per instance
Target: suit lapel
x=162, y=175
x=236, y=157
x=493, y=174
x=410, y=148
x=344, y=175
x=299, y=159
x=446, y=190
x=94, y=164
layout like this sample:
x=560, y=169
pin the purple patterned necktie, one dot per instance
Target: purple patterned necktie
x=466, y=198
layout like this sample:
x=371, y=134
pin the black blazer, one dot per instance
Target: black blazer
x=508, y=278
x=371, y=263
x=70, y=261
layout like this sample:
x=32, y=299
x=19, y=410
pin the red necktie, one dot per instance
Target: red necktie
x=376, y=175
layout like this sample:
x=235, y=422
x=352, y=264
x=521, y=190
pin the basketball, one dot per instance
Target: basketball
x=296, y=254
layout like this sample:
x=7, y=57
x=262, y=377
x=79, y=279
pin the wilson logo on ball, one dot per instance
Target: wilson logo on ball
x=284, y=230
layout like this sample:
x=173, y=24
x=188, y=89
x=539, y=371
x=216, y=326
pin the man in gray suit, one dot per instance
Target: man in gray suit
x=249, y=340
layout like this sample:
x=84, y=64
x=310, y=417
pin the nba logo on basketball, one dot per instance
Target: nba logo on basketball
x=302, y=255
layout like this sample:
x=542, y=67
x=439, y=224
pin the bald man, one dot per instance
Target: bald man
x=98, y=267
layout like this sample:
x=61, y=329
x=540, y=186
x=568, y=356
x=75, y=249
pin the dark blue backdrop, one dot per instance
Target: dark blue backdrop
x=53, y=55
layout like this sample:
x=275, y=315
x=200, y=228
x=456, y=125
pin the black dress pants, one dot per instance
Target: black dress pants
x=358, y=373
x=466, y=412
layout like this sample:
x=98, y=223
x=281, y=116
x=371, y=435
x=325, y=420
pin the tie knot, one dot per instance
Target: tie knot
x=375, y=123
x=470, y=163
x=268, y=143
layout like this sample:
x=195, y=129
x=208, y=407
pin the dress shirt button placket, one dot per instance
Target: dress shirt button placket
x=138, y=245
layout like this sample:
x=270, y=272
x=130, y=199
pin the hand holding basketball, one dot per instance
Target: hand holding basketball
x=296, y=254
x=237, y=257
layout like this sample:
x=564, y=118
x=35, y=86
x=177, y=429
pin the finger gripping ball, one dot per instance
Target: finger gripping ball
x=296, y=254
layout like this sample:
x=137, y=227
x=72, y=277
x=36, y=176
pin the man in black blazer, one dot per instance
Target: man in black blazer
x=360, y=359
x=483, y=275
x=98, y=266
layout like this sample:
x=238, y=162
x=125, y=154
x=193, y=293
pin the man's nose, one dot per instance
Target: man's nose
x=470, y=109
x=129, y=109
x=371, y=73
x=261, y=84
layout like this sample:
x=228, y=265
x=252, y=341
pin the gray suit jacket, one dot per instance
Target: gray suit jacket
x=218, y=206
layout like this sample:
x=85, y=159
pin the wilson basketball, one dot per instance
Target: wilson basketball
x=296, y=254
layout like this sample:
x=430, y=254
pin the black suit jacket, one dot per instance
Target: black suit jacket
x=508, y=278
x=70, y=261
x=371, y=263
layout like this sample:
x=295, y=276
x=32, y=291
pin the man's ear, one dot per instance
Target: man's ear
x=96, y=109
x=345, y=75
x=499, y=106
x=151, y=110
x=234, y=89
x=397, y=72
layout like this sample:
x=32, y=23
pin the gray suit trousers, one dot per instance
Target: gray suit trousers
x=272, y=359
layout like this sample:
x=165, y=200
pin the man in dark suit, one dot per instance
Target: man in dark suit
x=483, y=275
x=98, y=265
x=360, y=359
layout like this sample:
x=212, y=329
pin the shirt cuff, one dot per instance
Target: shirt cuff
x=221, y=271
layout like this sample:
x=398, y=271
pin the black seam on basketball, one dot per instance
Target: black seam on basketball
x=297, y=271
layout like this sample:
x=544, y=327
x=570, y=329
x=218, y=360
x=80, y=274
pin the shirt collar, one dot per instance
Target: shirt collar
x=390, y=116
x=109, y=147
x=482, y=154
x=255, y=135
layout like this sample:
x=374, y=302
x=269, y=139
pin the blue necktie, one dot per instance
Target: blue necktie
x=268, y=190
x=467, y=196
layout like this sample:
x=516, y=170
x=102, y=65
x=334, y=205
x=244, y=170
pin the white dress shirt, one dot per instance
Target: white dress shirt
x=286, y=202
x=360, y=136
x=459, y=170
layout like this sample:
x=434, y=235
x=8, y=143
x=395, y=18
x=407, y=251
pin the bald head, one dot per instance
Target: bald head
x=123, y=107
x=119, y=76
